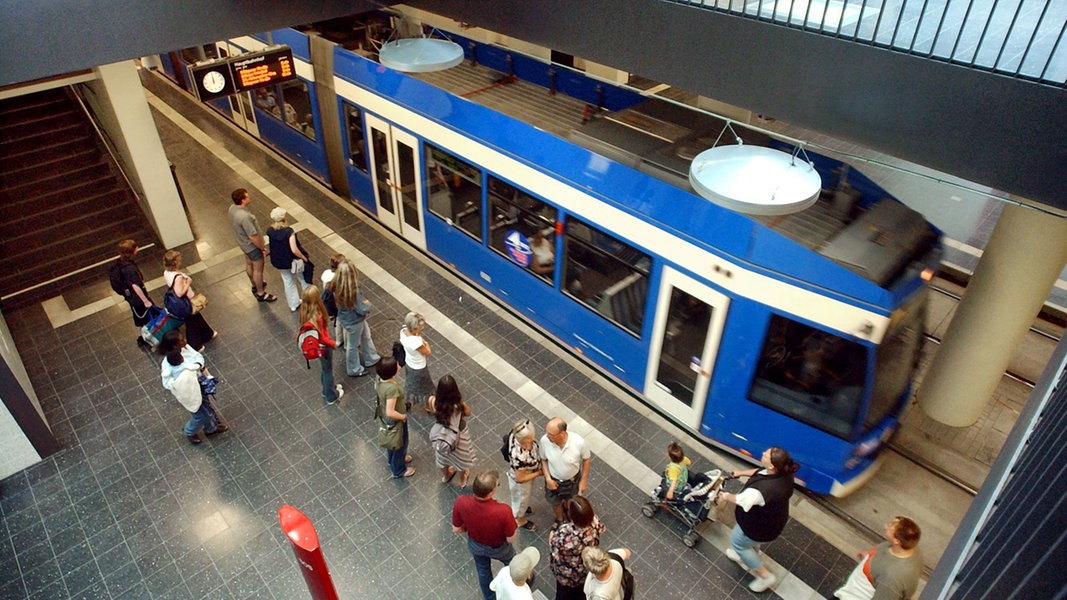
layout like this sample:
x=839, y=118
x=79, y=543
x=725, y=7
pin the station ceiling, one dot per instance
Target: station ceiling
x=1005, y=133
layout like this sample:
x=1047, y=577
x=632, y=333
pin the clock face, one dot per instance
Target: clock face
x=214, y=82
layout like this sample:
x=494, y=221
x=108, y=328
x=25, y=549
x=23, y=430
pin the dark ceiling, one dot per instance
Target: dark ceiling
x=1004, y=133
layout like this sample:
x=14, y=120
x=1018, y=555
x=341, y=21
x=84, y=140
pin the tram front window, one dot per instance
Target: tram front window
x=810, y=375
x=897, y=359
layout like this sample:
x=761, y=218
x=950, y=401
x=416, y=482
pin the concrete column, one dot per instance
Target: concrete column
x=1018, y=268
x=120, y=105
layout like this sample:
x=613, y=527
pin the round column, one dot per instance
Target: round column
x=1019, y=266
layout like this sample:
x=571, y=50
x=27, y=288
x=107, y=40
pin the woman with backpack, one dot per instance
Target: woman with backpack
x=197, y=330
x=451, y=413
x=417, y=380
x=313, y=317
x=284, y=249
x=352, y=311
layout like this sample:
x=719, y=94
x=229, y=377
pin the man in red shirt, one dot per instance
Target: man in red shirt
x=489, y=525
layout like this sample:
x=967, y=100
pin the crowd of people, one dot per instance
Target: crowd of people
x=581, y=567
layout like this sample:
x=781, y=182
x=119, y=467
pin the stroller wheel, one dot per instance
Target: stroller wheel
x=691, y=539
x=648, y=510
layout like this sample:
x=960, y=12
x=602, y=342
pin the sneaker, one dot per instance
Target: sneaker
x=219, y=429
x=734, y=556
x=762, y=584
x=340, y=391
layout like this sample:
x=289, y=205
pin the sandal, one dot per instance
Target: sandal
x=463, y=480
x=266, y=297
x=407, y=458
x=409, y=472
x=529, y=525
x=529, y=510
x=449, y=477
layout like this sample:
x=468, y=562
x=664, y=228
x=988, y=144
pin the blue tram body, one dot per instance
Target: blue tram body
x=738, y=331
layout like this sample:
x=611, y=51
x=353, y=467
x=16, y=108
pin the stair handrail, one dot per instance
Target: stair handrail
x=109, y=144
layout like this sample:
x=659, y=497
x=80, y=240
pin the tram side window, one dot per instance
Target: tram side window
x=357, y=145
x=810, y=375
x=517, y=215
x=195, y=54
x=608, y=275
x=266, y=99
x=297, y=103
x=455, y=188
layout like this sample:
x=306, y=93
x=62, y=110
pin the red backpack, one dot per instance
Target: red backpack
x=310, y=344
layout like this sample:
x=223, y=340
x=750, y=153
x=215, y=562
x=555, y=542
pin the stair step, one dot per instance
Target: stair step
x=10, y=175
x=34, y=140
x=30, y=106
x=26, y=259
x=12, y=138
x=53, y=182
x=72, y=192
x=55, y=218
x=55, y=150
x=13, y=130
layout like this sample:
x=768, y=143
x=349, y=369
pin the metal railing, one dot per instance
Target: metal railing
x=1018, y=38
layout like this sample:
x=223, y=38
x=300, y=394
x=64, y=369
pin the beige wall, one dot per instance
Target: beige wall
x=16, y=451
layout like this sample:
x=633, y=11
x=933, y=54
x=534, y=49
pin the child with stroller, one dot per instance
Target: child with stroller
x=180, y=372
x=676, y=475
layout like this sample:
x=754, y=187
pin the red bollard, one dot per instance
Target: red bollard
x=301, y=533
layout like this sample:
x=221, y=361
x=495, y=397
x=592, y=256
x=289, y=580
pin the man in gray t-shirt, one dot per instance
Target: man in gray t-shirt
x=246, y=230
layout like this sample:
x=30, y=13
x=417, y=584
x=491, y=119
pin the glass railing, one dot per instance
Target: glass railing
x=1018, y=38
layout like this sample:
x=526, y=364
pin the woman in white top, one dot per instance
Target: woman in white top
x=418, y=384
x=197, y=331
x=604, y=581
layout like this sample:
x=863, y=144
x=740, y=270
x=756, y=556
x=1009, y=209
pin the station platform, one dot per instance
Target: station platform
x=129, y=509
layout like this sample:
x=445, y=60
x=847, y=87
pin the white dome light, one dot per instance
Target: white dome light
x=420, y=55
x=755, y=180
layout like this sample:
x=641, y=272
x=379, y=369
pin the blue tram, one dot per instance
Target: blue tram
x=801, y=331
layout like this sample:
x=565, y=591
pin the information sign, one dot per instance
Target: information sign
x=241, y=73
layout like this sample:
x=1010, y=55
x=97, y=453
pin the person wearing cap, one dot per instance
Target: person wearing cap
x=513, y=581
x=489, y=525
x=284, y=250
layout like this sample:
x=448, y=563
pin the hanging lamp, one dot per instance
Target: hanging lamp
x=424, y=54
x=755, y=180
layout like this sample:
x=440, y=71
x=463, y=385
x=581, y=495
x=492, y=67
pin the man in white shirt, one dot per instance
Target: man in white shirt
x=565, y=462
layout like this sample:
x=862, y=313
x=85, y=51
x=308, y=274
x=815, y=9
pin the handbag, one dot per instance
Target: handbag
x=390, y=437
x=297, y=267
x=198, y=301
x=208, y=385
x=309, y=272
x=443, y=438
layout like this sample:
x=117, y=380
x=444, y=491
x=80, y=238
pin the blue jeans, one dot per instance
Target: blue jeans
x=746, y=547
x=329, y=390
x=293, y=285
x=360, y=352
x=201, y=419
x=397, y=465
x=483, y=556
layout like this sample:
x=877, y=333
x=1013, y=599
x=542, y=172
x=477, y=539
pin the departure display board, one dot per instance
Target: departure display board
x=241, y=73
x=262, y=68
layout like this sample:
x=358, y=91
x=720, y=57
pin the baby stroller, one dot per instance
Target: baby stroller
x=691, y=506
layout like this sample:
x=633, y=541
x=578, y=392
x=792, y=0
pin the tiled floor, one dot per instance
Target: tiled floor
x=130, y=510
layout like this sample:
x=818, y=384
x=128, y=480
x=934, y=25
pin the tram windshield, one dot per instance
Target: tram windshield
x=810, y=375
x=897, y=359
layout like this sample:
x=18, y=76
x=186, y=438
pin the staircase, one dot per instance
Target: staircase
x=64, y=204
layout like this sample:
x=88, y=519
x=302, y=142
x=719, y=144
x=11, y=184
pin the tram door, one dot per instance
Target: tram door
x=685, y=340
x=240, y=104
x=394, y=158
